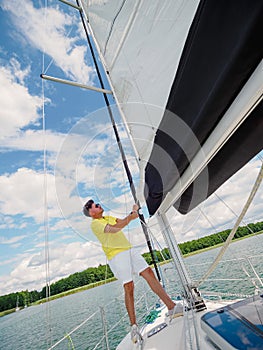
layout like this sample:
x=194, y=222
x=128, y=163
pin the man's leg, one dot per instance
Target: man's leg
x=136, y=336
x=157, y=288
x=129, y=301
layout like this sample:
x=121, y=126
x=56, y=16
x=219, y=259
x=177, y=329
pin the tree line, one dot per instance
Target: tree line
x=205, y=242
x=78, y=279
x=96, y=274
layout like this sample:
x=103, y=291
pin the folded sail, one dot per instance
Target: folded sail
x=187, y=76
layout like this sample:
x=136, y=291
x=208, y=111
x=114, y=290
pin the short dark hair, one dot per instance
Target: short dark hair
x=87, y=206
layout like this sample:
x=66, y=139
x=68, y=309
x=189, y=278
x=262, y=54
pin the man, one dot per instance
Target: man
x=124, y=261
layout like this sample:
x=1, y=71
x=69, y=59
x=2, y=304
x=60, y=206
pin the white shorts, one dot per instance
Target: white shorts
x=126, y=264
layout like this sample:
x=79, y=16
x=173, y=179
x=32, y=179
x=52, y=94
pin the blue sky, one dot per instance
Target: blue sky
x=81, y=159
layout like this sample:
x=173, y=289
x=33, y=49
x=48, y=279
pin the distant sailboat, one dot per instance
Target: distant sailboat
x=17, y=303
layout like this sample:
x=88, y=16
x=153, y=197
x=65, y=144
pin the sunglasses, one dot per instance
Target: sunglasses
x=89, y=206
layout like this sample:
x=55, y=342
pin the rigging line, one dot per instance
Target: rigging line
x=73, y=330
x=71, y=4
x=260, y=157
x=234, y=229
x=218, y=233
x=128, y=227
x=160, y=248
x=153, y=238
x=45, y=203
x=251, y=279
x=45, y=213
x=162, y=256
x=228, y=279
x=124, y=159
x=232, y=211
x=206, y=217
x=255, y=272
x=45, y=200
x=209, y=221
x=104, y=325
x=106, y=271
x=224, y=294
x=230, y=260
x=44, y=71
x=120, y=321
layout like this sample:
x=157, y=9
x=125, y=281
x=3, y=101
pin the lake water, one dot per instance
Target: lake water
x=39, y=327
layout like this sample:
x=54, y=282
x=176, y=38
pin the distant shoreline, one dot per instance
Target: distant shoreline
x=61, y=295
x=220, y=244
x=112, y=279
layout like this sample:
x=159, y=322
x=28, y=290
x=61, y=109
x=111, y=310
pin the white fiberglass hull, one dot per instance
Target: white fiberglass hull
x=175, y=336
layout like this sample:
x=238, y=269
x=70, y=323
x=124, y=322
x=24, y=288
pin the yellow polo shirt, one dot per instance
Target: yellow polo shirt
x=112, y=243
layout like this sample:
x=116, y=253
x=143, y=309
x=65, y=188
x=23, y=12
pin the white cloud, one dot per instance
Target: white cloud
x=221, y=211
x=26, y=188
x=48, y=30
x=35, y=140
x=64, y=260
x=4, y=240
x=6, y=221
x=18, y=107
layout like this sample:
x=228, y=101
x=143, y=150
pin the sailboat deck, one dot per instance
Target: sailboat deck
x=174, y=335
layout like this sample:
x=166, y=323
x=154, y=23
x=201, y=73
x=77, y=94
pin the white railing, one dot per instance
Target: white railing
x=104, y=341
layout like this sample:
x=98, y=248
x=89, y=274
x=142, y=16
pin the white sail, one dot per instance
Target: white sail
x=133, y=38
x=188, y=71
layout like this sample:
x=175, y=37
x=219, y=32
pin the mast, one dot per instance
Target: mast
x=190, y=291
x=123, y=156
